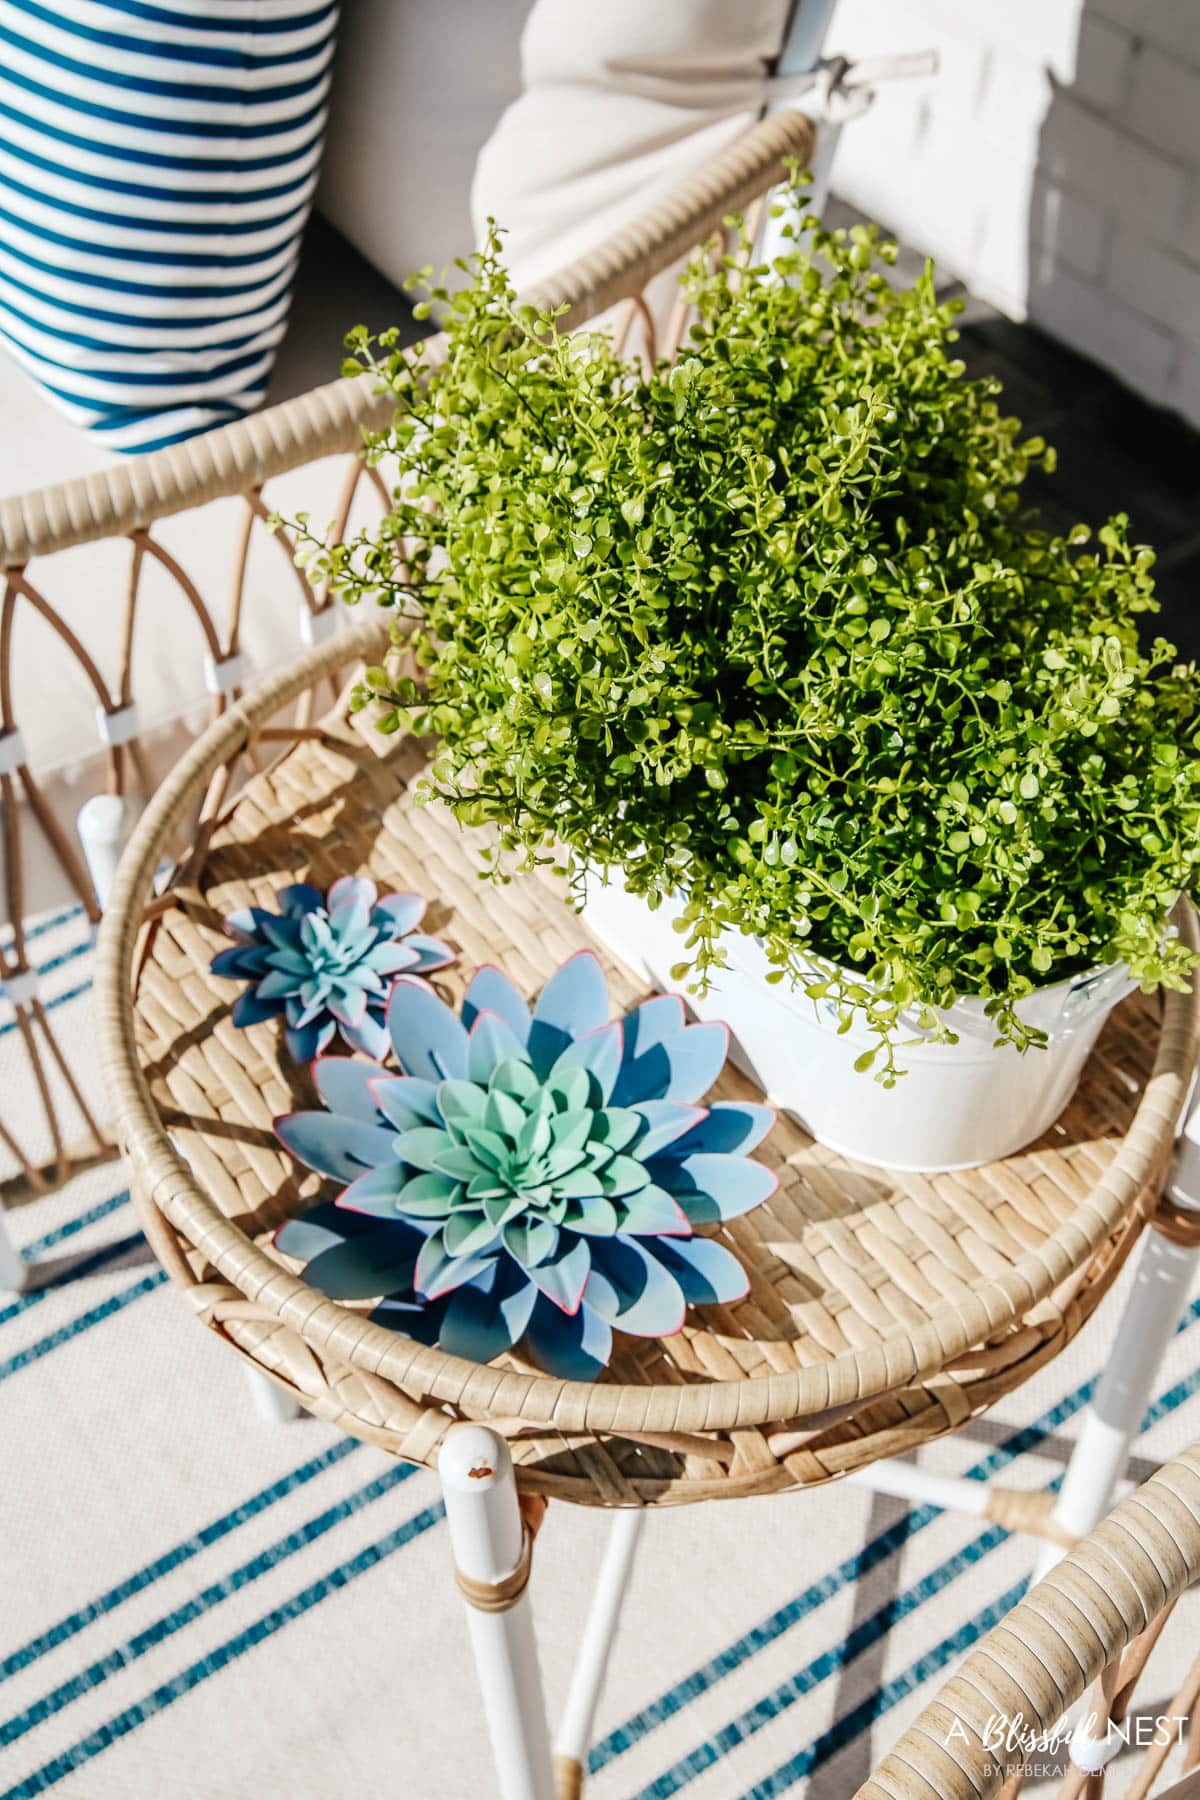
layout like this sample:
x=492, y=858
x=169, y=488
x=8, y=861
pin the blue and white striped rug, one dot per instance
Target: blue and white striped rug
x=197, y=1605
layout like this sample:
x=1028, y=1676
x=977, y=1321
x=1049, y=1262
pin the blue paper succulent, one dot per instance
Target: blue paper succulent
x=533, y=1176
x=328, y=964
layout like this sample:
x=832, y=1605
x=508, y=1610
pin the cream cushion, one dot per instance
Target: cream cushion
x=621, y=101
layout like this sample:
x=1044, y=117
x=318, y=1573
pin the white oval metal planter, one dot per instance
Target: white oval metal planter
x=957, y=1105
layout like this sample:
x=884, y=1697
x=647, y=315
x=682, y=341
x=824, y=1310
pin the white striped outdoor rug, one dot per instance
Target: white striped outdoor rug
x=199, y=1606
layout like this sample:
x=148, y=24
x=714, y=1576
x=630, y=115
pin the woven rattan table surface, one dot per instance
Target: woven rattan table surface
x=849, y=1266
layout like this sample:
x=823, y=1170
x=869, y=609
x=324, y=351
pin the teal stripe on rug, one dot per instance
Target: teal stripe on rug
x=95, y=1315
x=212, y=1596
x=669, y=1704
x=90, y=1263
x=90, y=1216
x=860, y=1718
x=173, y=1558
x=203, y=1670
x=867, y=1634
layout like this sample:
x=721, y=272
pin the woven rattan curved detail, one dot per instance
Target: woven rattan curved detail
x=883, y=1310
x=1099, y=1611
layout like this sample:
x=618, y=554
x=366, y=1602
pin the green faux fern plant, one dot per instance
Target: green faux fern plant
x=768, y=628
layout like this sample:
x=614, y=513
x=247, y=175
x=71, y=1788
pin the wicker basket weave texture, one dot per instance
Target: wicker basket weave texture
x=884, y=1308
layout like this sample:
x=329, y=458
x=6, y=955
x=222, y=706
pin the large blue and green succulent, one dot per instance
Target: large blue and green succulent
x=328, y=964
x=533, y=1176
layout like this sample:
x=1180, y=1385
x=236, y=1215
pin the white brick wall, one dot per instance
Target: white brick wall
x=1053, y=164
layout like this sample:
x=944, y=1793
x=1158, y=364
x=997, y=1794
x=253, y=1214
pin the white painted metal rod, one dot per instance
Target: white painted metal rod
x=595, y=1646
x=486, y=1539
x=104, y=823
x=13, y=1270
x=1160, y=1287
x=906, y=1481
x=272, y=1403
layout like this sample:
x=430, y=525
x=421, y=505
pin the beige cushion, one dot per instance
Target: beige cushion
x=418, y=85
x=621, y=101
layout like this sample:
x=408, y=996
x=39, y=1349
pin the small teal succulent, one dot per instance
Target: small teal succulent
x=328, y=964
x=533, y=1176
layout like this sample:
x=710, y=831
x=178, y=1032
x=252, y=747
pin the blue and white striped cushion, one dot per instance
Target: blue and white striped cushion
x=157, y=164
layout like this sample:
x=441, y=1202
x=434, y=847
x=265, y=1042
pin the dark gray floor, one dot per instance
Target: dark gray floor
x=1116, y=452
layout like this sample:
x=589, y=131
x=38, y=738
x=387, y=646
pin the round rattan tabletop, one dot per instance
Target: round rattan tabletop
x=884, y=1308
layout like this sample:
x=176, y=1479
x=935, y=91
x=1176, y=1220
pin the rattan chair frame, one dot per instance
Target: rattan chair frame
x=1094, y=1619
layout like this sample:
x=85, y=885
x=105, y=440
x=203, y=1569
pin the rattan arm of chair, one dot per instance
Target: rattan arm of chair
x=1045, y=1655
x=235, y=458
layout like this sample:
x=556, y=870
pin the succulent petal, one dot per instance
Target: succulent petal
x=244, y=960
x=711, y=1188
x=251, y=1008
x=492, y=991
x=368, y=1036
x=300, y=898
x=377, y=1262
x=306, y=1042
x=344, y=1086
x=320, y=1228
x=652, y=1212
x=648, y=1028
x=402, y=912
x=631, y=1288
x=574, y=1346
x=335, y=1146
x=348, y=1005
x=562, y=1278
x=426, y=1036
x=428, y=1196
x=428, y=953
x=573, y=1001
x=439, y=1271
x=482, y=1322
x=598, y=1052
x=377, y=1192
x=728, y=1128
x=491, y=1044
x=707, y=1272
x=406, y=1100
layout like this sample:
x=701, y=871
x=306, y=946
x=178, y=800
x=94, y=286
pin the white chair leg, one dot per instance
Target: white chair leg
x=104, y=823
x=272, y=1403
x=491, y=1551
x=13, y=1269
x=1160, y=1288
x=575, y=1731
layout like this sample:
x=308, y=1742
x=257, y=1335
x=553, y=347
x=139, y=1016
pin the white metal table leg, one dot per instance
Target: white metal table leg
x=12, y=1267
x=488, y=1542
x=587, y=1681
x=104, y=824
x=271, y=1402
x=1160, y=1288
x=1110, y=1424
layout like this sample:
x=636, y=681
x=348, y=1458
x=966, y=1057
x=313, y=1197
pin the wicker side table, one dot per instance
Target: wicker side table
x=885, y=1309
